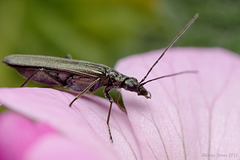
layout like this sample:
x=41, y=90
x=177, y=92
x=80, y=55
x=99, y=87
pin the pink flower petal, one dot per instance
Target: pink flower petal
x=85, y=121
x=192, y=116
x=18, y=134
x=33, y=141
x=189, y=116
x=61, y=148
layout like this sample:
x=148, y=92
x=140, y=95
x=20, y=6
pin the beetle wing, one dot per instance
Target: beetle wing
x=55, y=63
x=74, y=74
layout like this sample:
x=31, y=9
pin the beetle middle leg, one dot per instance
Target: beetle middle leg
x=117, y=102
x=84, y=91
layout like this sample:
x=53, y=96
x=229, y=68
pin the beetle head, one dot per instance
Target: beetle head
x=131, y=84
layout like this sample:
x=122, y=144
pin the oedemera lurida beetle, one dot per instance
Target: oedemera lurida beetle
x=83, y=76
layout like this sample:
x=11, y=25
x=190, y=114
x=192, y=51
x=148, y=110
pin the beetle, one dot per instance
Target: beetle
x=83, y=76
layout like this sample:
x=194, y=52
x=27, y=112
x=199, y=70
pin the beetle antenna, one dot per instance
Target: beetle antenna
x=170, y=75
x=170, y=45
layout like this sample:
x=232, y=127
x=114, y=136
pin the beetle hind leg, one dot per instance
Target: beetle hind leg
x=41, y=75
x=68, y=56
x=31, y=77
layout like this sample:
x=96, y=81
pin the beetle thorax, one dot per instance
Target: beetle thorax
x=115, y=78
x=118, y=80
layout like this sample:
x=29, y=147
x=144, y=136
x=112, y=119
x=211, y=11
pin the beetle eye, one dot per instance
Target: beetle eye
x=131, y=84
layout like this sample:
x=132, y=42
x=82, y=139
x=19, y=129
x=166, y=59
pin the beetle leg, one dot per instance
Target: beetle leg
x=25, y=83
x=117, y=97
x=106, y=91
x=68, y=56
x=84, y=91
x=117, y=101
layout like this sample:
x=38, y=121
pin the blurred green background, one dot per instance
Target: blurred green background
x=103, y=31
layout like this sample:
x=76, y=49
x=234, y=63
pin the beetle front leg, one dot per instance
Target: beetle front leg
x=106, y=91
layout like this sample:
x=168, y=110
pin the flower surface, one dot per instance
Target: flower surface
x=190, y=116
